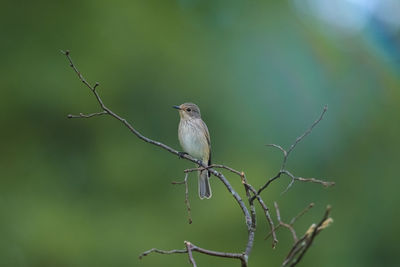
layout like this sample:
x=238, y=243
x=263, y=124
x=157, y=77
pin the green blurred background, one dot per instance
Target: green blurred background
x=89, y=193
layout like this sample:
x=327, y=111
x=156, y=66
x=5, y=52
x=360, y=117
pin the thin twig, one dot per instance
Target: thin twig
x=309, y=130
x=310, y=180
x=293, y=220
x=269, y=182
x=313, y=180
x=278, y=215
x=301, y=213
x=81, y=115
x=159, y=251
x=185, y=181
x=280, y=148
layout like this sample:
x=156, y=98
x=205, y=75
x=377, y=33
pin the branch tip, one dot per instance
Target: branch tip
x=328, y=208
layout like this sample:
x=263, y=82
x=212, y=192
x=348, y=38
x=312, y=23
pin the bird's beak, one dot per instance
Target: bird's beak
x=177, y=107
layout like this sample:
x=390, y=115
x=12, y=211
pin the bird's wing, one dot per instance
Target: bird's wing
x=207, y=134
x=206, y=131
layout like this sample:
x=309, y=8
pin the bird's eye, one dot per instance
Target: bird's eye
x=188, y=110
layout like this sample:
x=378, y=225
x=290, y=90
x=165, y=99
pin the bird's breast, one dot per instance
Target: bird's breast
x=192, y=138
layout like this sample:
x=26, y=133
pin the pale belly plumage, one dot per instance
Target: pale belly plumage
x=193, y=139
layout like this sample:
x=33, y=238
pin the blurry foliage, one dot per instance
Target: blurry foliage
x=88, y=193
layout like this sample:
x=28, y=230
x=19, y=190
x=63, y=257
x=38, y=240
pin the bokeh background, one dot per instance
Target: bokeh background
x=89, y=193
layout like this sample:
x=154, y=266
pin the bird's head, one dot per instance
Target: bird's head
x=188, y=111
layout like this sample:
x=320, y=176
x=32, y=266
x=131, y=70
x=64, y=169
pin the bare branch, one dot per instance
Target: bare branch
x=241, y=256
x=251, y=193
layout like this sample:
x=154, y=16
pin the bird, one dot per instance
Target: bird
x=194, y=138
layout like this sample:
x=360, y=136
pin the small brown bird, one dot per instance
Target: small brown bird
x=195, y=141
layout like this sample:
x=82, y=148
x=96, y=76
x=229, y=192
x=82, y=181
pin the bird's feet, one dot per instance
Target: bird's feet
x=181, y=154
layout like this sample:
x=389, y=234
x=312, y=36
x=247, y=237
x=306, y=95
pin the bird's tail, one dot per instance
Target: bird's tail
x=204, y=185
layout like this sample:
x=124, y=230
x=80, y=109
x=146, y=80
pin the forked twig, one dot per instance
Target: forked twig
x=286, y=154
x=303, y=244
